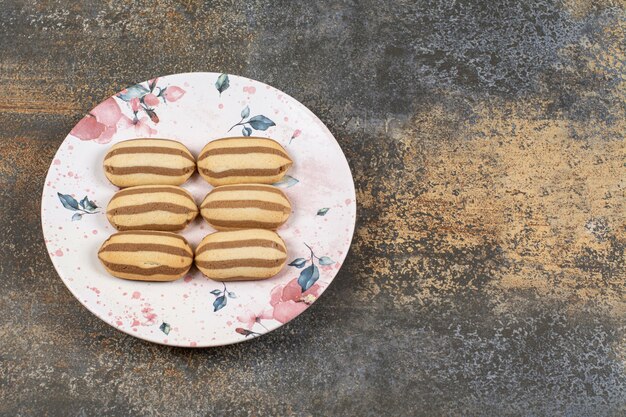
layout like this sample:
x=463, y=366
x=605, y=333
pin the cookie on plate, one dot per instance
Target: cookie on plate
x=152, y=207
x=242, y=160
x=146, y=255
x=245, y=206
x=250, y=254
x=148, y=162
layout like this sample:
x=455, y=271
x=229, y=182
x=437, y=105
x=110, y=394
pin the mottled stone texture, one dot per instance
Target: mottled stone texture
x=487, y=273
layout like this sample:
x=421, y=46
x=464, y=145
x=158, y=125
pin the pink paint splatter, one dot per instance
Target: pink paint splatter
x=58, y=252
x=119, y=322
x=135, y=323
x=188, y=278
x=286, y=118
x=348, y=201
x=70, y=174
x=136, y=295
x=94, y=231
x=57, y=162
x=94, y=289
x=193, y=344
x=70, y=147
x=220, y=106
x=249, y=89
x=149, y=315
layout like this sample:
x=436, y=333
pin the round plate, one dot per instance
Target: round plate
x=194, y=109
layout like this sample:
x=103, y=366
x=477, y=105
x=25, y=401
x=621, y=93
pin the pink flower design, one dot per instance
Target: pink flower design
x=295, y=134
x=172, y=93
x=135, y=104
x=100, y=124
x=289, y=301
x=151, y=100
x=250, y=317
x=141, y=126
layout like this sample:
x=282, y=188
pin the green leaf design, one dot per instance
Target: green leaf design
x=165, y=328
x=246, y=131
x=77, y=216
x=222, y=83
x=322, y=211
x=245, y=112
x=286, y=182
x=232, y=294
x=88, y=204
x=308, y=277
x=219, y=303
x=298, y=262
x=68, y=201
x=325, y=260
x=216, y=292
x=134, y=91
x=260, y=122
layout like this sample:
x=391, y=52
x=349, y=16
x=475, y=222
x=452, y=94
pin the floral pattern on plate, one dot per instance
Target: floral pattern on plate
x=195, y=108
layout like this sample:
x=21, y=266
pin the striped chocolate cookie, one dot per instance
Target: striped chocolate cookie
x=245, y=206
x=146, y=255
x=243, y=160
x=148, y=162
x=152, y=207
x=250, y=254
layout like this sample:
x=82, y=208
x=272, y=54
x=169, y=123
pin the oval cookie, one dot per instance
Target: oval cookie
x=245, y=206
x=250, y=254
x=152, y=207
x=146, y=255
x=148, y=162
x=243, y=160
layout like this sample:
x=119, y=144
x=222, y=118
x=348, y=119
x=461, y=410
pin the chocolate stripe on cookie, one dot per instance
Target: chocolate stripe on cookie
x=265, y=205
x=236, y=263
x=149, y=149
x=161, y=226
x=243, y=224
x=148, y=207
x=145, y=247
x=174, y=172
x=243, y=150
x=151, y=233
x=136, y=270
x=149, y=190
x=248, y=243
x=248, y=187
x=246, y=172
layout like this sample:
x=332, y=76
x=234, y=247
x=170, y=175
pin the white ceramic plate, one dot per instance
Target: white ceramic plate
x=194, y=109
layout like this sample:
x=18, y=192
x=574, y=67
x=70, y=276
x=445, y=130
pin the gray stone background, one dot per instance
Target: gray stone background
x=487, y=272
